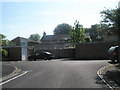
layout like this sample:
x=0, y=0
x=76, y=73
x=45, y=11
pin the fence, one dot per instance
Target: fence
x=93, y=50
x=61, y=53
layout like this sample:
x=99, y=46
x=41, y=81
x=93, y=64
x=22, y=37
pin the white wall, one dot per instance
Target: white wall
x=24, y=53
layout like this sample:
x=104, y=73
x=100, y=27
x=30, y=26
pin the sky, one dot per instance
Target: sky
x=25, y=17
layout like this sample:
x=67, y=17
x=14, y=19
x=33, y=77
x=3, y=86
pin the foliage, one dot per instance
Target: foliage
x=4, y=41
x=118, y=21
x=110, y=25
x=62, y=29
x=97, y=32
x=35, y=37
x=2, y=37
x=4, y=52
x=77, y=34
x=111, y=17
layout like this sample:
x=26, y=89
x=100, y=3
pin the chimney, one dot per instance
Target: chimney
x=44, y=34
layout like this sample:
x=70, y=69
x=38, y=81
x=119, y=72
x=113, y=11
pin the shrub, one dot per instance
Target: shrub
x=4, y=52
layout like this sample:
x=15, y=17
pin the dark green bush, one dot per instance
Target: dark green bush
x=4, y=52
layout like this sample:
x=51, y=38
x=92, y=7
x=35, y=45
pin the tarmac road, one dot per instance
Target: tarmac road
x=57, y=74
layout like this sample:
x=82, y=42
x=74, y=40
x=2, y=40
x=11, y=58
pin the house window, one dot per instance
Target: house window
x=23, y=43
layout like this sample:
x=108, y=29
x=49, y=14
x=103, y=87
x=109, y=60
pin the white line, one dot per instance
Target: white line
x=13, y=78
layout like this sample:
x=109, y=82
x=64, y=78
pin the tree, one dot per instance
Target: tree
x=2, y=37
x=77, y=34
x=97, y=32
x=62, y=29
x=111, y=17
x=118, y=25
x=3, y=52
x=35, y=37
x=4, y=41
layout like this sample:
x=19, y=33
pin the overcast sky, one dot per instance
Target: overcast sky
x=26, y=17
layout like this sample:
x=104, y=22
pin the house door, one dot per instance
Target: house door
x=24, y=53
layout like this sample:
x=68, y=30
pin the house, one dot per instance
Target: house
x=21, y=50
x=27, y=46
x=23, y=43
x=54, y=42
x=63, y=38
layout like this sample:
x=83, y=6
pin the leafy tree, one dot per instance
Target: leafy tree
x=3, y=52
x=102, y=30
x=62, y=29
x=2, y=37
x=4, y=41
x=35, y=37
x=111, y=17
x=97, y=32
x=94, y=32
x=77, y=34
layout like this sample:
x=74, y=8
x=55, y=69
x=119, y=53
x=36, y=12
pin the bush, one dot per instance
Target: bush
x=4, y=52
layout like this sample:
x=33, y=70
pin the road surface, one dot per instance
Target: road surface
x=57, y=74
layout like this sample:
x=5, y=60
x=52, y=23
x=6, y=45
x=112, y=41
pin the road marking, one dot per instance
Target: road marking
x=13, y=78
x=15, y=72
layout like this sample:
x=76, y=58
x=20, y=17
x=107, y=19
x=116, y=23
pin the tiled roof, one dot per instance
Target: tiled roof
x=20, y=38
x=56, y=37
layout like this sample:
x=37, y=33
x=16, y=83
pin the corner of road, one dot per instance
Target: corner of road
x=109, y=75
x=9, y=71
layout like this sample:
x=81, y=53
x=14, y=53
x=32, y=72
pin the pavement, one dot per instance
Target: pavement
x=111, y=75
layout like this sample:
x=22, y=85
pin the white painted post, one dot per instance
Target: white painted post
x=119, y=4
